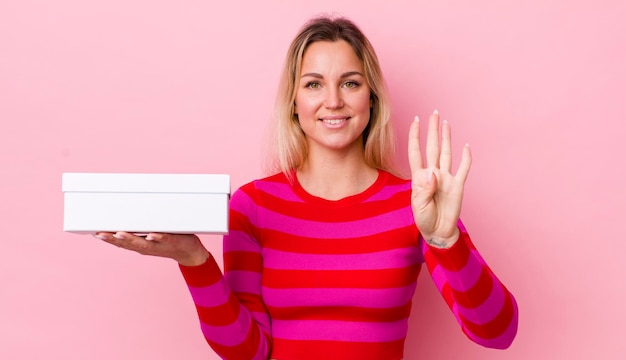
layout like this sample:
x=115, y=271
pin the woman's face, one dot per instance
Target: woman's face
x=332, y=97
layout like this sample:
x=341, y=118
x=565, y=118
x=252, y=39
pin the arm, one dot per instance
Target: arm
x=230, y=309
x=232, y=316
x=484, y=308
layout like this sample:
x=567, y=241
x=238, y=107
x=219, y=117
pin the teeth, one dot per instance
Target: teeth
x=333, y=121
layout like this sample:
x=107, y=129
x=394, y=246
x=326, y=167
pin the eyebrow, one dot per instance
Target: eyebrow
x=344, y=75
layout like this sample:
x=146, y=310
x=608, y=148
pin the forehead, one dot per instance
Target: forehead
x=336, y=54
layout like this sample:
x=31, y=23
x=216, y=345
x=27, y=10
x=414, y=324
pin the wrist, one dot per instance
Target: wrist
x=195, y=259
x=442, y=242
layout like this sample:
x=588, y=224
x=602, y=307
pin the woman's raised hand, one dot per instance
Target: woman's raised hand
x=187, y=249
x=437, y=194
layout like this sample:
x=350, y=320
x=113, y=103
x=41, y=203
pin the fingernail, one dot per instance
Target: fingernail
x=98, y=236
x=149, y=237
x=436, y=112
x=118, y=236
x=416, y=118
x=445, y=122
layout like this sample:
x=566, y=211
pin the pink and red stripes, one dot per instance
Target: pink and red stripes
x=336, y=278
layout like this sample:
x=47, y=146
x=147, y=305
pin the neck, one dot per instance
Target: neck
x=334, y=176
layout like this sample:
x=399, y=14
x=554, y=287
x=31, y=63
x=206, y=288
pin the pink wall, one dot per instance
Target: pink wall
x=536, y=87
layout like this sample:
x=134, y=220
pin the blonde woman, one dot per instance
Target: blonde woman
x=322, y=257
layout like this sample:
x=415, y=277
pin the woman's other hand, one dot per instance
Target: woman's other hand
x=186, y=249
x=436, y=192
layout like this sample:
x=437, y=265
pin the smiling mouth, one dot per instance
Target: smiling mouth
x=334, y=121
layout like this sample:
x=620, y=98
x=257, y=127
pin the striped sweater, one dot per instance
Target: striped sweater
x=308, y=278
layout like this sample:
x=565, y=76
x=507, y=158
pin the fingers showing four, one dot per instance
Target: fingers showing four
x=415, y=153
x=445, y=160
x=437, y=155
x=466, y=162
x=432, y=141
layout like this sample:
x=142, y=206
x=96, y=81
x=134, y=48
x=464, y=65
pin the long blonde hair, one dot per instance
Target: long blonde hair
x=378, y=137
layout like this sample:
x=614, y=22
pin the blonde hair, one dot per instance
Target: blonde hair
x=378, y=137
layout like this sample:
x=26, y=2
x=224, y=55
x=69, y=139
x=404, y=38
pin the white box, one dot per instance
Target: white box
x=142, y=203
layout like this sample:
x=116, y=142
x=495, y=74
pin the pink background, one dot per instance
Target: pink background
x=536, y=87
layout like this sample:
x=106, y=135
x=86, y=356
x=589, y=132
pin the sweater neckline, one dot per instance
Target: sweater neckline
x=380, y=181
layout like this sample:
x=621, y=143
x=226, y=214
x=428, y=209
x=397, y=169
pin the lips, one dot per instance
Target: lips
x=334, y=120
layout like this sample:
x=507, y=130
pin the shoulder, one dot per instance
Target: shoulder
x=270, y=192
x=276, y=185
x=389, y=180
x=388, y=187
x=272, y=181
x=393, y=179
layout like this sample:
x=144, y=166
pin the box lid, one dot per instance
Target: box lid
x=145, y=183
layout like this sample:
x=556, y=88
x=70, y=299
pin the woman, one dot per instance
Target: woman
x=322, y=258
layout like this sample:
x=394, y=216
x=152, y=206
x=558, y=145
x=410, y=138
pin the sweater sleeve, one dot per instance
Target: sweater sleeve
x=232, y=316
x=484, y=308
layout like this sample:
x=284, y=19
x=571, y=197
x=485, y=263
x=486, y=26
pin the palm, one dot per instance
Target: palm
x=437, y=194
x=187, y=249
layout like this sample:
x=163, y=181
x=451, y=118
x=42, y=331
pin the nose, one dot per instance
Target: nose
x=333, y=99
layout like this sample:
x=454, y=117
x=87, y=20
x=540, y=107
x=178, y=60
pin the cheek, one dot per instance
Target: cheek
x=365, y=104
x=304, y=107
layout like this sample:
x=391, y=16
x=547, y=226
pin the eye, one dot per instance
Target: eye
x=312, y=85
x=351, y=84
